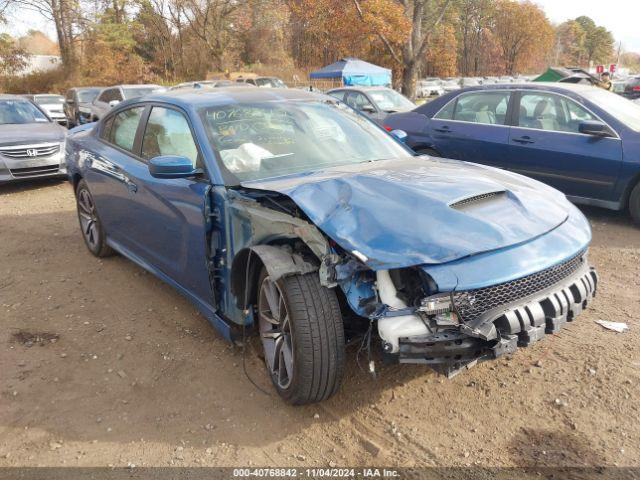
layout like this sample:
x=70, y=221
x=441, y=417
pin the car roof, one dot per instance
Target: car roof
x=551, y=86
x=201, y=97
x=10, y=96
x=363, y=88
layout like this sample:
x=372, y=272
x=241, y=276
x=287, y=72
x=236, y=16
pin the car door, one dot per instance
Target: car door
x=166, y=223
x=545, y=143
x=473, y=127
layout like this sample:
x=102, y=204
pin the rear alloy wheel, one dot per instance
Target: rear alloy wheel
x=90, y=225
x=302, y=336
x=634, y=204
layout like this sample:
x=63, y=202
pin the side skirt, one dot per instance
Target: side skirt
x=209, y=313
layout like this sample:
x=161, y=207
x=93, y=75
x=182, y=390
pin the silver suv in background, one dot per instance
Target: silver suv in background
x=31, y=144
x=77, y=105
x=52, y=104
x=112, y=96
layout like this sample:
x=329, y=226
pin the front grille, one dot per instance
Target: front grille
x=473, y=303
x=30, y=151
x=34, y=171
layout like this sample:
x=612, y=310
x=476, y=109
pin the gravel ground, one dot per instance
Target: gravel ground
x=103, y=364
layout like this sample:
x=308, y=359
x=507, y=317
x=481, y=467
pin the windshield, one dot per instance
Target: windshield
x=139, y=92
x=86, y=96
x=44, y=99
x=391, y=101
x=20, y=111
x=618, y=107
x=263, y=140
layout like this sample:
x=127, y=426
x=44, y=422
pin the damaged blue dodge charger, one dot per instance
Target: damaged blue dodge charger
x=287, y=214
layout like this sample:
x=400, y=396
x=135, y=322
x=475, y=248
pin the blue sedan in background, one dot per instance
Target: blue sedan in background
x=289, y=214
x=580, y=139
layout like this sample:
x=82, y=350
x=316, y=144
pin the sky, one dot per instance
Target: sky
x=621, y=17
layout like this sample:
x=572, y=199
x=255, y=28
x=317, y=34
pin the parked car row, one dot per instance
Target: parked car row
x=292, y=214
x=434, y=86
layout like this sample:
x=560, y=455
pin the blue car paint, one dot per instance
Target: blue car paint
x=588, y=169
x=363, y=209
x=188, y=232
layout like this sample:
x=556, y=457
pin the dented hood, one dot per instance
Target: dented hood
x=398, y=213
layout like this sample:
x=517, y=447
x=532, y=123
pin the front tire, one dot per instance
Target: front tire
x=634, y=204
x=90, y=225
x=302, y=335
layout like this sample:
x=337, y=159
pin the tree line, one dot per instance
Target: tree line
x=113, y=41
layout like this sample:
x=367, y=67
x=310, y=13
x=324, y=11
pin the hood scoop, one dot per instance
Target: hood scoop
x=483, y=197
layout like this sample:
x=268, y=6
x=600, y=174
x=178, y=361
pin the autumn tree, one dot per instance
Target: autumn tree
x=523, y=33
x=66, y=18
x=442, y=55
x=475, y=22
x=570, y=44
x=12, y=58
x=598, y=41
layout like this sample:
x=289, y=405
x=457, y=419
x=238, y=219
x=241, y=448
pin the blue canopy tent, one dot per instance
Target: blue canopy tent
x=354, y=71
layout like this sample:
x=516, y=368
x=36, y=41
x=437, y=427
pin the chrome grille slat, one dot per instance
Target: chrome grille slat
x=473, y=303
x=34, y=171
x=20, y=151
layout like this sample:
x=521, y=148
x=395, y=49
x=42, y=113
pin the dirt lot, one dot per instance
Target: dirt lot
x=102, y=364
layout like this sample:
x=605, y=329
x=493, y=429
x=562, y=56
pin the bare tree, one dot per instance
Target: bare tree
x=425, y=17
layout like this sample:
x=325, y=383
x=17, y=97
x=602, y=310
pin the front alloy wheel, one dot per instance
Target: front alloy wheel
x=302, y=336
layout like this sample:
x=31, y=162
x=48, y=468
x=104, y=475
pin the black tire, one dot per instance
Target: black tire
x=315, y=334
x=428, y=151
x=91, y=227
x=634, y=204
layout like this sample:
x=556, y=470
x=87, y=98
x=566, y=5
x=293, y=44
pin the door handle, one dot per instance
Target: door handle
x=524, y=140
x=444, y=129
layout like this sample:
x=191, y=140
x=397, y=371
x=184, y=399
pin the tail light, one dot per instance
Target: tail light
x=636, y=88
x=388, y=128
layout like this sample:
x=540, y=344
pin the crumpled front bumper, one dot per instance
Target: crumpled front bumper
x=518, y=324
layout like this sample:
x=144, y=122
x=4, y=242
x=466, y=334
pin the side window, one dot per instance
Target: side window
x=105, y=96
x=447, y=112
x=168, y=133
x=339, y=95
x=125, y=124
x=545, y=111
x=489, y=108
x=251, y=81
x=575, y=114
x=539, y=111
x=105, y=134
x=117, y=95
x=358, y=101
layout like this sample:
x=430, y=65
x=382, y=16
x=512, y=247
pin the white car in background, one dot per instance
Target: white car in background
x=112, y=96
x=52, y=104
x=428, y=87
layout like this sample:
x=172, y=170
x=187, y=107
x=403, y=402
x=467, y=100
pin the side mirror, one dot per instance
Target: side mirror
x=399, y=135
x=171, y=166
x=113, y=103
x=595, y=128
x=368, y=109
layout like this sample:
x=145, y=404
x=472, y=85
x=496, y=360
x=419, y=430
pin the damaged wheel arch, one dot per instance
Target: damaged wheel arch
x=279, y=261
